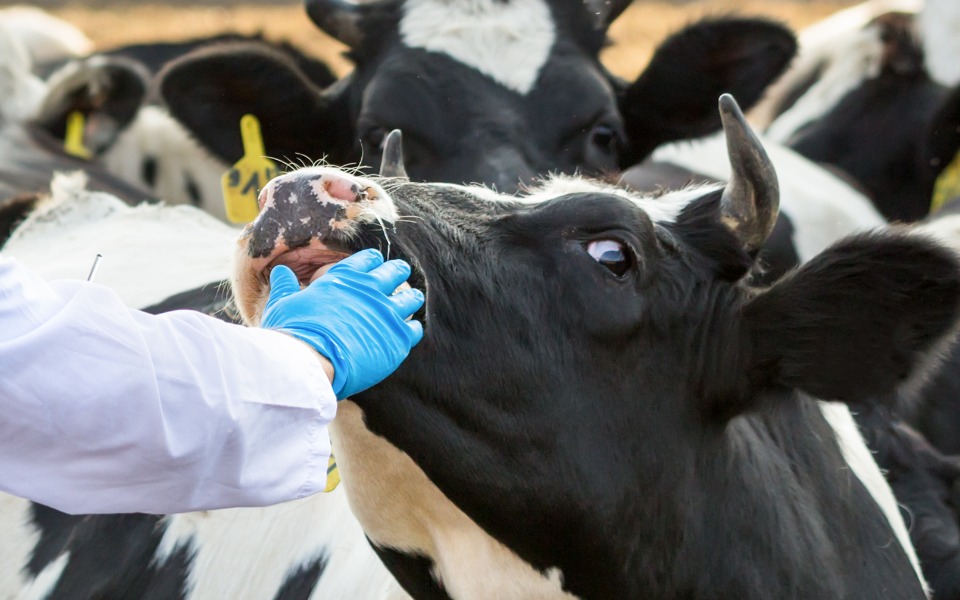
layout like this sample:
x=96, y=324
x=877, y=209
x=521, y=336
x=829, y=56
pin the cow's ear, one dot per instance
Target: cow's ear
x=106, y=91
x=857, y=321
x=674, y=97
x=210, y=90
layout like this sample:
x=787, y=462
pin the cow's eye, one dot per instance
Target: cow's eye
x=604, y=138
x=611, y=254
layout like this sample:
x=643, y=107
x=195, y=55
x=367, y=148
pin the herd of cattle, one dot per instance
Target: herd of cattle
x=665, y=356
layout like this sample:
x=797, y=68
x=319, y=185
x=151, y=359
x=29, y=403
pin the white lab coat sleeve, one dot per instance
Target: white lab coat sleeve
x=108, y=409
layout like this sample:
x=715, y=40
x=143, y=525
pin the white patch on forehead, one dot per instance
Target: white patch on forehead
x=506, y=41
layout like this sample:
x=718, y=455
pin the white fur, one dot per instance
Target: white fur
x=823, y=208
x=19, y=539
x=249, y=552
x=663, y=209
x=848, y=52
x=861, y=461
x=45, y=581
x=46, y=38
x=945, y=229
x=20, y=91
x=179, y=159
x=149, y=251
x=509, y=42
x=940, y=24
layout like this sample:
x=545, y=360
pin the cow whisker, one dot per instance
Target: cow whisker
x=385, y=235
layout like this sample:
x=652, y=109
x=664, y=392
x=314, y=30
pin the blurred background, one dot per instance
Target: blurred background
x=117, y=22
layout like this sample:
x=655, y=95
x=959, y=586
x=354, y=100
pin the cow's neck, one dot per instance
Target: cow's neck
x=400, y=508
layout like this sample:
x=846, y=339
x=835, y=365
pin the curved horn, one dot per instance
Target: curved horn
x=605, y=12
x=392, y=163
x=751, y=200
x=346, y=21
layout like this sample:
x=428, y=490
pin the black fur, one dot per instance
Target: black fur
x=119, y=549
x=214, y=299
x=927, y=485
x=300, y=585
x=624, y=426
x=413, y=573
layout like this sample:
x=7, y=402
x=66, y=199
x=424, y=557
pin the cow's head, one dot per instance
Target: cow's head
x=100, y=95
x=599, y=390
x=866, y=104
x=487, y=91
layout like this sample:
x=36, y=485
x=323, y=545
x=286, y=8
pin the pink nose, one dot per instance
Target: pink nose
x=340, y=187
x=328, y=185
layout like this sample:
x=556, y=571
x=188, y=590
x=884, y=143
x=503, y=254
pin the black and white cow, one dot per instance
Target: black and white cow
x=862, y=99
x=599, y=407
x=157, y=153
x=315, y=547
x=487, y=91
x=33, y=116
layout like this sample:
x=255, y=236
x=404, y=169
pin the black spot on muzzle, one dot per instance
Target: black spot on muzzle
x=297, y=214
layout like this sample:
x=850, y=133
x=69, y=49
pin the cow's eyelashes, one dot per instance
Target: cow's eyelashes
x=611, y=254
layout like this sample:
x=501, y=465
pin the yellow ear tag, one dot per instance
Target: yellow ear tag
x=947, y=185
x=242, y=184
x=333, y=475
x=73, y=141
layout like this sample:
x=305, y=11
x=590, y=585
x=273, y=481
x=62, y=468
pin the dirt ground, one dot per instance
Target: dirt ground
x=634, y=34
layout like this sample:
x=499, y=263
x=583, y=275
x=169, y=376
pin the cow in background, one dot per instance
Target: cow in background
x=294, y=550
x=488, y=92
x=134, y=149
x=45, y=38
x=33, y=117
x=863, y=99
x=157, y=153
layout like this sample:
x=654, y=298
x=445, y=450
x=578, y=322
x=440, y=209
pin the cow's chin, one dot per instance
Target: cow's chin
x=251, y=281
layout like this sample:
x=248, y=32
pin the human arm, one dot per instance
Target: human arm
x=108, y=409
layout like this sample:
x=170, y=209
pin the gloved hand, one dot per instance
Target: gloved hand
x=348, y=317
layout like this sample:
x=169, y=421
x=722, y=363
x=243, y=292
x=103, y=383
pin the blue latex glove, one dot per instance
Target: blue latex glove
x=348, y=317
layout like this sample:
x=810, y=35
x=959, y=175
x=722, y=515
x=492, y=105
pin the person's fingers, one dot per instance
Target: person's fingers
x=414, y=332
x=406, y=302
x=388, y=276
x=362, y=261
x=282, y=283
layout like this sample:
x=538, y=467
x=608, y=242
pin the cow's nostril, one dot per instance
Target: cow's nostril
x=341, y=188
